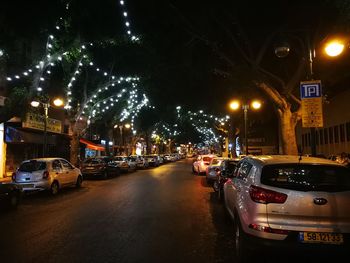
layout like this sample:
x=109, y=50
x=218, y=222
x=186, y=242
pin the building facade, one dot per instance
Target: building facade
x=334, y=137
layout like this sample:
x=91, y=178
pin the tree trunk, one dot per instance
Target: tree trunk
x=288, y=136
x=74, y=148
x=288, y=119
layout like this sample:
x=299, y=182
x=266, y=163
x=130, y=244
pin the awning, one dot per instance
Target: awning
x=92, y=146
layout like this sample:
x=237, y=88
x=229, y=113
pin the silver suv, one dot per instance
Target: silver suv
x=47, y=174
x=289, y=201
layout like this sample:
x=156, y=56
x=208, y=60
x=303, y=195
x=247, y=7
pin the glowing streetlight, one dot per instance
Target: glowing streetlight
x=35, y=104
x=256, y=104
x=235, y=105
x=121, y=127
x=334, y=48
x=57, y=102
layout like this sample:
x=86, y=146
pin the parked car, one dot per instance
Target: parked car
x=49, y=174
x=167, y=158
x=132, y=163
x=226, y=170
x=152, y=160
x=10, y=195
x=201, y=163
x=213, y=169
x=141, y=162
x=122, y=162
x=289, y=201
x=103, y=167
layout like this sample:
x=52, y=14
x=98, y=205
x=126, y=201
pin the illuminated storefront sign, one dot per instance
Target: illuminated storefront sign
x=36, y=121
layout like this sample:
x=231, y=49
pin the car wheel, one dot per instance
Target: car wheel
x=193, y=170
x=79, y=181
x=240, y=243
x=216, y=186
x=54, y=188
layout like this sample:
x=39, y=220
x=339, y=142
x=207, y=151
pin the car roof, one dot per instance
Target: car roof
x=285, y=159
x=46, y=159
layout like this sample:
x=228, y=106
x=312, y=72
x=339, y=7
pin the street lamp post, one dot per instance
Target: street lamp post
x=121, y=127
x=245, y=110
x=332, y=48
x=57, y=102
x=236, y=105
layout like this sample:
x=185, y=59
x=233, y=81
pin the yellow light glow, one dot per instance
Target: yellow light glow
x=334, y=48
x=58, y=102
x=127, y=126
x=256, y=104
x=234, y=105
x=35, y=103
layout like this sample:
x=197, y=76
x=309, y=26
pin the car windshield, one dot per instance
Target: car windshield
x=300, y=177
x=32, y=166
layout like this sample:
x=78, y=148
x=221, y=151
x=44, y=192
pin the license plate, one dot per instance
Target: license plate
x=317, y=237
x=27, y=185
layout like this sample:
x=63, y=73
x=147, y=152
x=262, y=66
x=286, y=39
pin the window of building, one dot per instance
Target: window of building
x=342, y=132
x=317, y=138
x=336, y=134
x=348, y=131
x=321, y=136
x=308, y=139
x=330, y=129
x=325, y=132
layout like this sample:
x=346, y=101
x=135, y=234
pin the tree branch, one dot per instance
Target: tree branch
x=273, y=94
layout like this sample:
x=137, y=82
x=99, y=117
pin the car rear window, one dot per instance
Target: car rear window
x=231, y=166
x=206, y=159
x=300, y=177
x=32, y=166
x=216, y=161
x=92, y=161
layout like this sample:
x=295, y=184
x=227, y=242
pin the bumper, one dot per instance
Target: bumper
x=35, y=186
x=291, y=243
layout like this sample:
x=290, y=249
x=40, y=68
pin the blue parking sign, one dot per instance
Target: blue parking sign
x=310, y=89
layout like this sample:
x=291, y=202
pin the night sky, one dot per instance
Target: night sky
x=178, y=59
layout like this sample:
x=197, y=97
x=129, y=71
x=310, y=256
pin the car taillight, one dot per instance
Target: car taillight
x=45, y=175
x=268, y=229
x=14, y=176
x=265, y=196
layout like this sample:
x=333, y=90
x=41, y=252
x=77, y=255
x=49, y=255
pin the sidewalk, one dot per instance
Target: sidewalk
x=6, y=180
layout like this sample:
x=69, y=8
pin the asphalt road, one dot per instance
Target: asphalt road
x=164, y=214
